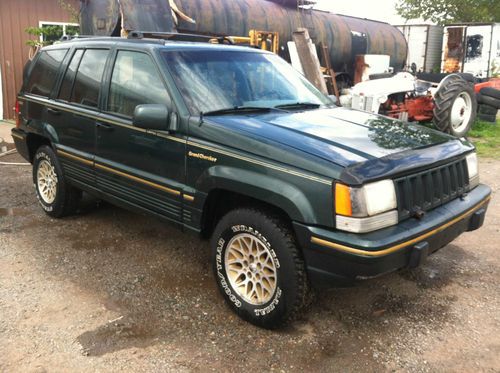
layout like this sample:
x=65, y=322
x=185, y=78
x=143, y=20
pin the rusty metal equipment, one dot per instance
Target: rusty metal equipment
x=345, y=36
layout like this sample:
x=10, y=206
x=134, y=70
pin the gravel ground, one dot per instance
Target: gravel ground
x=109, y=290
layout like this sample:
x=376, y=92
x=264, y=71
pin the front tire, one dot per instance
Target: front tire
x=258, y=267
x=55, y=195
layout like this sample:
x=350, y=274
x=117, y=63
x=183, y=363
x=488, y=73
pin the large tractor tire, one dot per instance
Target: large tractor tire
x=455, y=106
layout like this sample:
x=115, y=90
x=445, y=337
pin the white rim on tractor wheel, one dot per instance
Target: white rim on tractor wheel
x=47, y=181
x=461, y=112
x=250, y=269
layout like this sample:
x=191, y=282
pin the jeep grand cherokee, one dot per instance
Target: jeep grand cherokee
x=233, y=144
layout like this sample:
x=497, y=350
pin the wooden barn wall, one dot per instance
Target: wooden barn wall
x=15, y=17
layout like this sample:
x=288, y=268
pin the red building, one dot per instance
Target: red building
x=15, y=17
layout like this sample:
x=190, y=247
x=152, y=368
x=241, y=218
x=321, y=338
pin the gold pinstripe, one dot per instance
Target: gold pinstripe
x=74, y=157
x=17, y=136
x=261, y=163
x=114, y=171
x=402, y=245
x=138, y=179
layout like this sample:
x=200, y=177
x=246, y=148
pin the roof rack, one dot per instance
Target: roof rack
x=172, y=36
x=71, y=37
x=175, y=36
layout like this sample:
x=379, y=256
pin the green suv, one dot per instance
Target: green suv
x=233, y=144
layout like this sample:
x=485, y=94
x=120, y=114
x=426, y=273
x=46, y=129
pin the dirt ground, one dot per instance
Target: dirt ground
x=108, y=290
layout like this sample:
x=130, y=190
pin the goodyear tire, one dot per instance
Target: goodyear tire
x=258, y=267
x=486, y=109
x=55, y=195
x=455, y=106
x=488, y=100
x=491, y=92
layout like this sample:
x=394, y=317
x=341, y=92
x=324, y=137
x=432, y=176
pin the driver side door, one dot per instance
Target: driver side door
x=139, y=167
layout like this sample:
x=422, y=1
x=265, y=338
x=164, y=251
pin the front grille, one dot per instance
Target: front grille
x=362, y=103
x=432, y=188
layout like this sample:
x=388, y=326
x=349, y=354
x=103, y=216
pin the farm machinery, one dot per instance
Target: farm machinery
x=450, y=103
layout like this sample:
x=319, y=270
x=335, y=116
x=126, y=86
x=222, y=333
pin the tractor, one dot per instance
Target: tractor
x=450, y=104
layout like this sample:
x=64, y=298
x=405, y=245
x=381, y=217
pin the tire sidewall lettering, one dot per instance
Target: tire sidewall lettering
x=39, y=157
x=224, y=238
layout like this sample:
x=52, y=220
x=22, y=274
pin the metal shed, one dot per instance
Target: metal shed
x=425, y=43
x=472, y=48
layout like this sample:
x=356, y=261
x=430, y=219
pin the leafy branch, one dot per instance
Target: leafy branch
x=450, y=11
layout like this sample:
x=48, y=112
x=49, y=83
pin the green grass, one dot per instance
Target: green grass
x=486, y=137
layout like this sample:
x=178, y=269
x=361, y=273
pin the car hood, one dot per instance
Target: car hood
x=329, y=133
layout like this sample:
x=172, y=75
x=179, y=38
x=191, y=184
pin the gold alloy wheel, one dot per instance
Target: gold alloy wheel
x=250, y=269
x=47, y=181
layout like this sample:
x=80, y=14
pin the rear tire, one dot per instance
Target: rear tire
x=55, y=195
x=455, y=106
x=258, y=267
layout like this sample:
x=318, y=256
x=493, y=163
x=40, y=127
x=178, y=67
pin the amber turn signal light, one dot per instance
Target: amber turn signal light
x=343, y=200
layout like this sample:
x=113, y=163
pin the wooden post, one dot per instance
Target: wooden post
x=309, y=59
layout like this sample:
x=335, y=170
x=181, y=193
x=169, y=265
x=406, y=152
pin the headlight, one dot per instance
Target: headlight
x=473, y=170
x=366, y=209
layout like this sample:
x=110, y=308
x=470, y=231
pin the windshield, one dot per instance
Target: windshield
x=217, y=80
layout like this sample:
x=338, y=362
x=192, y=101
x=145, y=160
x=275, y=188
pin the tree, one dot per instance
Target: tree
x=450, y=11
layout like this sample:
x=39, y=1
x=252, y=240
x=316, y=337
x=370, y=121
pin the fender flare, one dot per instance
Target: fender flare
x=262, y=187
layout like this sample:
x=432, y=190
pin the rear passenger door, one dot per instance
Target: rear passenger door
x=40, y=83
x=144, y=168
x=75, y=113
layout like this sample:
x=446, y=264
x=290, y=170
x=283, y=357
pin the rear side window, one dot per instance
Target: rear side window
x=88, y=78
x=44, y=73
x=69, y=77
x=135, y=81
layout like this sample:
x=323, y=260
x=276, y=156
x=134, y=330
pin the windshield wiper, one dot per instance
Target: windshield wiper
x=299, y=105
x=239, y=109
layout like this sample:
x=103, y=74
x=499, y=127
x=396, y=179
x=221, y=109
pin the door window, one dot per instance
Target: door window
x=69, y=77
x=44, y=73
x=88, y=78
x=135, y=81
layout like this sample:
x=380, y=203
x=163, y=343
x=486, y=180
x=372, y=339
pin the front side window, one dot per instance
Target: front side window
x=88, y=78
x=135, y=81
x=44, y=73
x=211, y=80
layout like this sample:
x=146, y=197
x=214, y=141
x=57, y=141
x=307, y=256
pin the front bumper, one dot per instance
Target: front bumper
x=335, y=255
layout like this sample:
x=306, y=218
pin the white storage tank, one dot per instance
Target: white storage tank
x=425, y=44
x=472, y=48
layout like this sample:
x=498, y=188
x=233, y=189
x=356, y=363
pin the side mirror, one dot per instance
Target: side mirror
x=151, y=117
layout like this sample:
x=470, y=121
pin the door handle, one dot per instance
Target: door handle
x=53, y=111
x=105, y=126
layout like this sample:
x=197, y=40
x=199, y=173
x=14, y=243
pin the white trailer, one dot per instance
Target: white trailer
x=425, y=43
x=472, y=48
